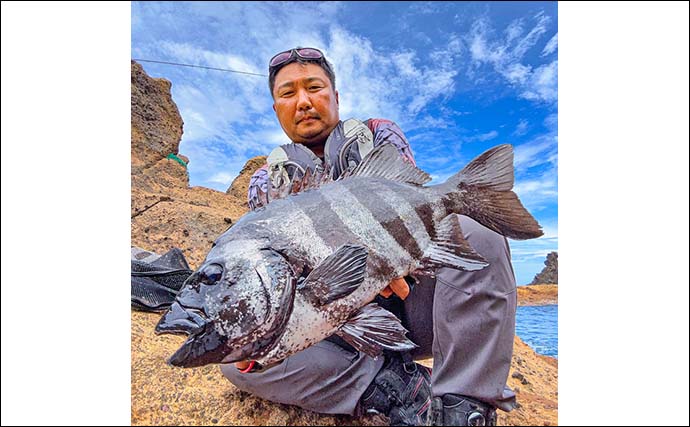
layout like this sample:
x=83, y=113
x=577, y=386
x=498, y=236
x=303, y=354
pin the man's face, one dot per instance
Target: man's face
x=306, y=104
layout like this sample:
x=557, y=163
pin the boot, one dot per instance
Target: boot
x=401, y=391
x=456, y=410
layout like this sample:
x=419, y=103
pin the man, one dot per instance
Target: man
x=466, y=321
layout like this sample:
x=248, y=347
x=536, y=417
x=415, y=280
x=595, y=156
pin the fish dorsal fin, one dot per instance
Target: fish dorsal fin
x=386, y=162
x=492, y=170
x=450, y=249
x=372, y=329
x=337, y=276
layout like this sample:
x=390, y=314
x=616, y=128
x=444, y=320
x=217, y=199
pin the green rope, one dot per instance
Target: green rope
x=177, y=159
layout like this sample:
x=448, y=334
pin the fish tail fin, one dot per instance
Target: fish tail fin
x=483, y=189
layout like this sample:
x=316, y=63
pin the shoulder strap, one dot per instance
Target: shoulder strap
x=347, y=145
x=288, y=165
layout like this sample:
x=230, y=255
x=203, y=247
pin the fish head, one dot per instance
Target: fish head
x=234, y=307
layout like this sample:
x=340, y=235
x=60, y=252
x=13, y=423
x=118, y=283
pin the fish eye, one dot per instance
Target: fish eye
x=211, y=274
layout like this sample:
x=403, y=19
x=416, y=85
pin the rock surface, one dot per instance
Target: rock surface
x=550, y=272
x=546, y=294
x=167, y=213
x=156, y=121
x=240, y=185
x=164, y=395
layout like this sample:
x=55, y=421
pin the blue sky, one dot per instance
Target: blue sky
x=459, y=78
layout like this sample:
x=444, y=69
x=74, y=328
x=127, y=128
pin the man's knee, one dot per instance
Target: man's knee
x=486, y=242
x=323, y=378
x=242, y=381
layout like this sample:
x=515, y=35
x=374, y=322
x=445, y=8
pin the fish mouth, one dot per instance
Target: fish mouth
x=200, y=349
x=182, y=320
x=204, y=345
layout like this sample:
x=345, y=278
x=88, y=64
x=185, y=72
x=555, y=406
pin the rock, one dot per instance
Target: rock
x=550, y=273
x=156, y=129
x=156, y=121
x=166, y=212
x=240, y=185
x=537, y=295
x=520, y=377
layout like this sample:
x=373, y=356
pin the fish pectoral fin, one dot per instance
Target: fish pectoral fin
x=450, y=249
x=337, y=276
x=372, y=329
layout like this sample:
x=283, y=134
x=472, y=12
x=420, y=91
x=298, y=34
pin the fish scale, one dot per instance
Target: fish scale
x=358, y=218
x=390, y=194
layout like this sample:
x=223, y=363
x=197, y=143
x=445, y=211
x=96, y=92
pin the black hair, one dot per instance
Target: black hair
x=321, y=62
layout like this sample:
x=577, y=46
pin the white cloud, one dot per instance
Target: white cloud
x=196, y=55
x=223, y=178
x=551, y=122
x=551, y=46
x=403, y=61
x=512, y=49
x=543, y=84
x=550, y=231
x=389, y=84
x=440, y=178
x=528, y=256
x=517, y=73
x=536, y=152
x=514, y=30
x=267, y=139
x=425, y=8
x=526, y=43
x=536, y=194
x=506, y=56
x=524, y=188
x=483, y=137
x=536, y=172
x=521, y=127
x=479, y=50
x=522, y=254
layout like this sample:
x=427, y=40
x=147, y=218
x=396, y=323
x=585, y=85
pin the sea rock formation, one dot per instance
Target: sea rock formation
x=550, y=272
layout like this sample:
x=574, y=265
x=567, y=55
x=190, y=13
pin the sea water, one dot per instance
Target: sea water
x=537, y=326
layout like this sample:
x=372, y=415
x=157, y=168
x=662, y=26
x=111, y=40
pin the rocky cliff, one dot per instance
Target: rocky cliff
x=167, y=213
x=550, y=272
x=240, y=185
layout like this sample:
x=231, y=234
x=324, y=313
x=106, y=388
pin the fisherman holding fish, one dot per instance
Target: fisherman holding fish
x=463, y=317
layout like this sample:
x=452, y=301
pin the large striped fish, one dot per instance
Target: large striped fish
x=308, y=266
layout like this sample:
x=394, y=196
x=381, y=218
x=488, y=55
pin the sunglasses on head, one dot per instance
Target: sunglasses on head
x=304, y=53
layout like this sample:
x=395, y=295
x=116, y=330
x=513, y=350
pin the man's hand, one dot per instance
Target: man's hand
x=398, y=286
x=242, y=365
